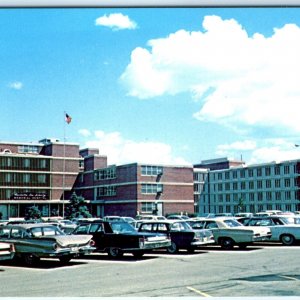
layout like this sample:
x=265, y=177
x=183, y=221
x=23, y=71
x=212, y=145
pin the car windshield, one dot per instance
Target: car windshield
x=122, y=227
x=45, y=231
x=232, y=223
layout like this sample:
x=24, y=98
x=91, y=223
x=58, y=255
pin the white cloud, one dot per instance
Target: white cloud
x=121, y=151
x=17, y=85
x=84, y=132
x=116, y=21
x=260, y=151
x=241, y=80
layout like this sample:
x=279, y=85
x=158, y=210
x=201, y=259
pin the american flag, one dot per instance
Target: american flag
x=68, y=119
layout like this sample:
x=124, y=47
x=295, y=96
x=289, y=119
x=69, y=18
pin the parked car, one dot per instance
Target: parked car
x=183, y=236
x=7, y=251
x=228, y=232
x=119, y=237
x=41, y=240
x=283, y=228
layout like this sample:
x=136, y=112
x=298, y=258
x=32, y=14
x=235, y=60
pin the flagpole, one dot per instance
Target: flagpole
x=64, y=168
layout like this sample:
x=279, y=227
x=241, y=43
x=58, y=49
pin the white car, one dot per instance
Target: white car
x=285, y=229
x=229, y=232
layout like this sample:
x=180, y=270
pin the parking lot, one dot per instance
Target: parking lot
x=260, y=270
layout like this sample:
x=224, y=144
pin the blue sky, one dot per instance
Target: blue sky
x=154, y=85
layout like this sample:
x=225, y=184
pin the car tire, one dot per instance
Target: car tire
x=227, y=243
x=287, y=239
x=30, y=259
x=173, y=248
x=114, y=252
x=138, y=254
x=65, y=259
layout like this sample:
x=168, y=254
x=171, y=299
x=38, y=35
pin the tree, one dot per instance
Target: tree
x=241, y=205
x=77, y=207
x=33, y=212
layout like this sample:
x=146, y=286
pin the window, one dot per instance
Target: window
x=250, y=172
x=259, y=184
x=28, y=149
x=258, y=172
x=26, y=163
x=242, y=173
x=260, y=196
x=277, y=183
x=220, y=176
x=226, y=175
x=278, y=196
x=269, y=196
x=243, y=185
x=268, y=171
x=287, y=182
x=152, y=170
x=287, y=195
x=277, y=170
x=286, y=169
x=152, y=188
x=41, y=178
x=107, y=190
x=227, y=197
x=251, y=185
x=147, y=207
x=103, y=174
x=268, y=184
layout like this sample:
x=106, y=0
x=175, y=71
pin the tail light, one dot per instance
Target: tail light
x=12, y=248
x=92, y=243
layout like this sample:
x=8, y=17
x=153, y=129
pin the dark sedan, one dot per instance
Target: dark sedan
x=183, y=236
x=120, y=237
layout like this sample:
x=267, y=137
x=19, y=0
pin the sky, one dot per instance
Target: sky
x=171, y=86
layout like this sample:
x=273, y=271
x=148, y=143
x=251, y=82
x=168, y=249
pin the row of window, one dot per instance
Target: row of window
x=254, y=172
x=24, y=178
x=21, y=163
x=258, y=184
x=103, y=174
x=28, y=149
x=151, y=170
x=252, y=197
x=110, y=190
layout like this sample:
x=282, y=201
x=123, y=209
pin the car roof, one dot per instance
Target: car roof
x=28, y=225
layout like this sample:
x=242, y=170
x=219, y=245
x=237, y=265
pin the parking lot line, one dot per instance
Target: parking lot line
x=197, y=291
x=288, y=277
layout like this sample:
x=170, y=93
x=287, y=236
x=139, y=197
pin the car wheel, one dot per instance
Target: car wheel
x=172, y=248
x=227, y=244
x=287, y=239
x=115, y=252
x=30, y=259
x=138, y=254
x=65, y=259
